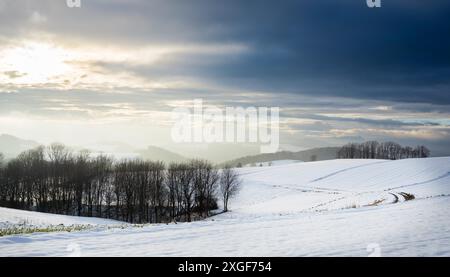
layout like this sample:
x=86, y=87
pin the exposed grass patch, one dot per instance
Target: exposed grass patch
x=21, y=229
x=376, y=202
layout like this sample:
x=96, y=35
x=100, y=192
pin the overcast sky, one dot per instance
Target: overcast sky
x=114, y=70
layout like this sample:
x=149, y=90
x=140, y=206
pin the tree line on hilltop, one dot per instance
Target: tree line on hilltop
x=383, y=150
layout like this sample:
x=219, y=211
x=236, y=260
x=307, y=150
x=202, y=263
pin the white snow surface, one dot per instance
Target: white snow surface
x=273, y=163
x=13, y=217
x=326, y=208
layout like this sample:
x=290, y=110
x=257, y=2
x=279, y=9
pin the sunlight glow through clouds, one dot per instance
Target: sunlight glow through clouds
x=34, y=63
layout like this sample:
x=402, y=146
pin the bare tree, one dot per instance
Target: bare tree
x=173, y=196
x=102, y=167
x=229, y=185
x=184, y=177
x=2, y=181
x=205, y=179
x=156, y=189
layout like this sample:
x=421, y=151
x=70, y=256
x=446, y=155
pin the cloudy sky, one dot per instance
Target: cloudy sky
x=114, y=70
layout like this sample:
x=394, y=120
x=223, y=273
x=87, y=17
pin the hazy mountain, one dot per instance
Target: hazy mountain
x=216, y=152
x=315, y=154
x=111, y=147
x=159, y=154
x=11, y=146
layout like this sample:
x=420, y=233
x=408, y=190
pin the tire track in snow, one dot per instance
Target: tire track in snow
x=422, y=183
x=334, y=174
x=395, y=197
x=309, y=189
x=345, y=170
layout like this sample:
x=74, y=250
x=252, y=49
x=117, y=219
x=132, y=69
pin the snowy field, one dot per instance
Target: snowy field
x=327, y=208
x=12, y=217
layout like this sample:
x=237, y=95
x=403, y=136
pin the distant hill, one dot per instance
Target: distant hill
x=160, y=154
x=315, y=154
x=215, y=152
x=12, y=146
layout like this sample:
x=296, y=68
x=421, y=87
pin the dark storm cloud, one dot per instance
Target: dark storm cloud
x=399, y=52
x=342, y=48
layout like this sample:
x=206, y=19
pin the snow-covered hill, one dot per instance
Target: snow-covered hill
x=327, y=208
x=340, y=184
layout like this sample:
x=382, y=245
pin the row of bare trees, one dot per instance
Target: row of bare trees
x=384, y=150
x=56, y=180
